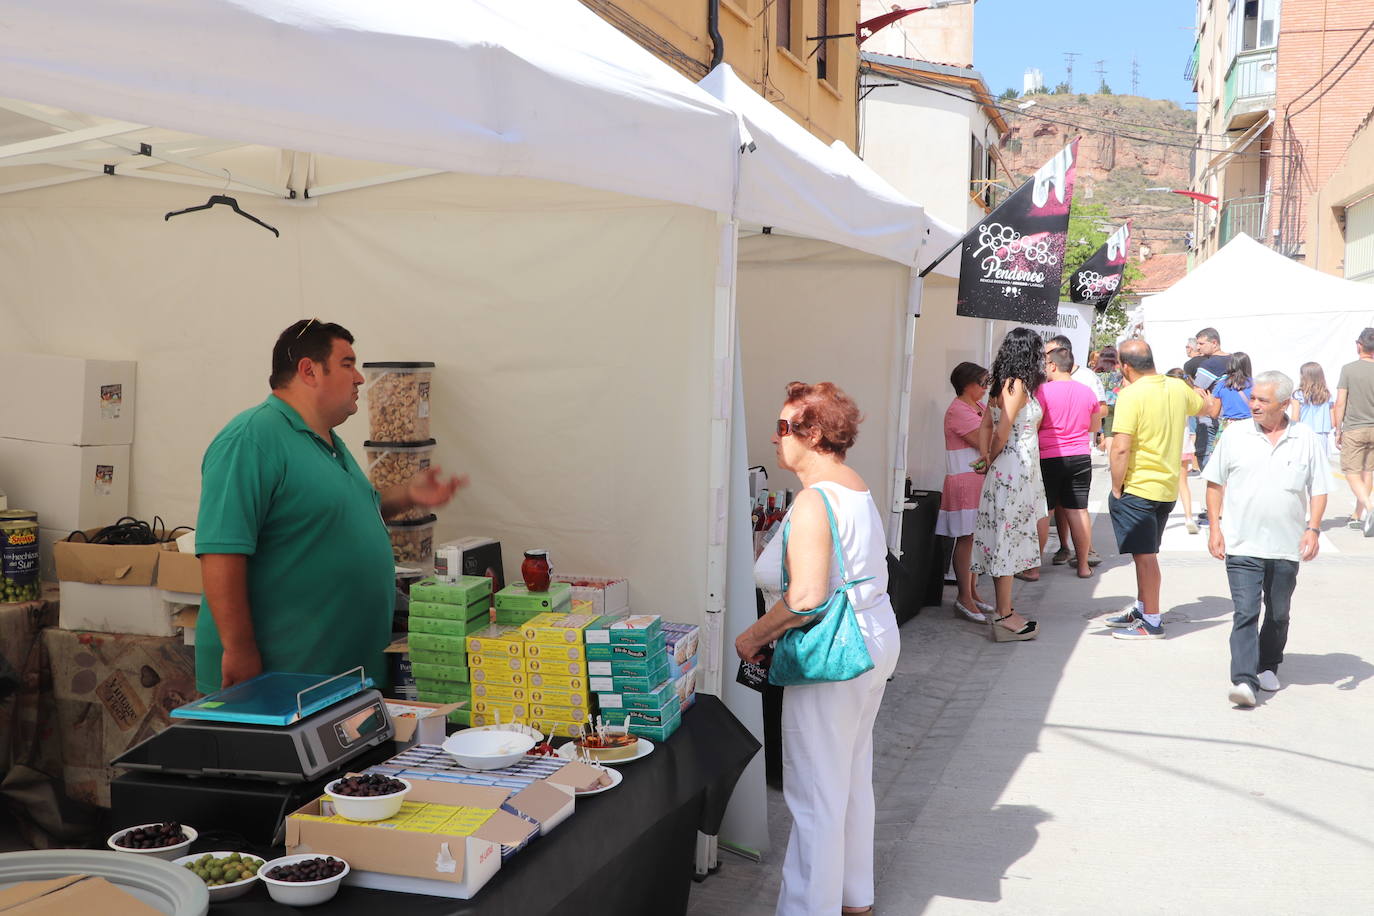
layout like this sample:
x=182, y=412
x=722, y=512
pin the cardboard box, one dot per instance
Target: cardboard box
x=138, y=610
x=111, y=692
x=179, y=572
x=502, y=662
x=448, y=865
x=106, y=564
x=519, y=598
x=475, y=614
x=608, y=652
x=496, y=640
x=640, y=629
x=554, y=682
x=468, y=590
x=540, y=712
x=617, y=684
x=436, y=642
x=558, y=667
x=542, y=696
x=71, y=894
x=69, y=486
x=69, y=400
x=608, y=597
x=514, y=678
x=443, y=692
x=470, y=556
x=686, y=687
x=643, y=667
x=682, y=640
x=423, y=722
x=443, y=627
x=453, y=674
x=568, y=652
x=658, y=698
x=491, y=690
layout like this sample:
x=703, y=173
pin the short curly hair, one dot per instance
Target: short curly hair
x=825, y=409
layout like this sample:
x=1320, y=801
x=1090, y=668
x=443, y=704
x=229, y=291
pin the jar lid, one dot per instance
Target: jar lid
x=18, y=515
x=540, y=552
x=419, y=365
x=413, y=522
x=400, y=446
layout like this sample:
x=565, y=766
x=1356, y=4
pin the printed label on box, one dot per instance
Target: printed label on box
x=104, y=479
x=119, y=699
x=111, y=399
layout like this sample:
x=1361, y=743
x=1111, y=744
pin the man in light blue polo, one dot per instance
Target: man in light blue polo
x=296, y=562
x=1266, y=493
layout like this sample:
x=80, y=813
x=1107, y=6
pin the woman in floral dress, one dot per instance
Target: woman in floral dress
x=1013, y=497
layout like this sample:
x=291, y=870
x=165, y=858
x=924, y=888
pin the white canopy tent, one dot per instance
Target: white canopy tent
x=1280, y=312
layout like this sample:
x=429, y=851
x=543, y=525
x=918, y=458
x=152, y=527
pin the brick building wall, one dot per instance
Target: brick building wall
x=1317, y=113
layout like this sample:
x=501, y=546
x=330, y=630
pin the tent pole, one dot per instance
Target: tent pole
x=913, y=311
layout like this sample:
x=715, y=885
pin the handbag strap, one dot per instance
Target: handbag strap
x=834, y=542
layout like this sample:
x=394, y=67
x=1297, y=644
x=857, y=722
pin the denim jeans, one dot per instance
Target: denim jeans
x=1256, y=648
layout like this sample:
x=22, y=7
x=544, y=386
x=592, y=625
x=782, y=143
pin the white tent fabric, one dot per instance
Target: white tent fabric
x=793, y=181
x=941, y=235
x=537, y=89
x=1280, y=312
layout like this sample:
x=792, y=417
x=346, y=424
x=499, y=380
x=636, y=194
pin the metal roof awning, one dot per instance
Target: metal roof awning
x=1244, y=140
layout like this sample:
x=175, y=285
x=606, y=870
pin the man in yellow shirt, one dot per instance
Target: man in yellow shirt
x=1152, y=414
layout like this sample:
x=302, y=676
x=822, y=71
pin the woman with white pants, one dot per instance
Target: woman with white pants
x=827, y=729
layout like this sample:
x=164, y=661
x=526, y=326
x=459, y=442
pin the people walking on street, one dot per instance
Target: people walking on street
x=1354, y=418
x=1108, y=373
x=1210, y=364
x=1233, y=392
x=1151, y=417
x=964, y=482
x=1266, y=491
x=1188, y=462
x=1313, y=406
x=827, y=728
x=1013, y=497
x=1072, y=415
x=1085, y=376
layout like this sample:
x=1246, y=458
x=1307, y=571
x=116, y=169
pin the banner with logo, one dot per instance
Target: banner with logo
x=1012, y=262
x=1098, y=281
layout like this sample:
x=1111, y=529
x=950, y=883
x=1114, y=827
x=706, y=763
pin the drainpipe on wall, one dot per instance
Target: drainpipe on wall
x=713, y=29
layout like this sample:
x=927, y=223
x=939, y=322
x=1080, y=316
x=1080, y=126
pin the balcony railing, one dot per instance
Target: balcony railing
x=1190, y=71
x=1244, y=214
x=1250, y=83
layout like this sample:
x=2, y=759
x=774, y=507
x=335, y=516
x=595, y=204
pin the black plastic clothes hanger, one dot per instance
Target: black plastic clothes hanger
x=229, y=202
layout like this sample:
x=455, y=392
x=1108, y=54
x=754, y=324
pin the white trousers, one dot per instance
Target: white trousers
x=827, y=764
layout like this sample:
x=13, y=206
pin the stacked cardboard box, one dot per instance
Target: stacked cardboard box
x=516, y=605
x=682, y=640
x=627, y=661
x=496, y=658
x=556, y=671
x=442, y=616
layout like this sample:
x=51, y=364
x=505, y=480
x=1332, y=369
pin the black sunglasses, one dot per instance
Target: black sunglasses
x=787, y=428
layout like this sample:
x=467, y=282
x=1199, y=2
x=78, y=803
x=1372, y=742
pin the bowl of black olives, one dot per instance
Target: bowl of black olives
x=304, y=879
x=368, y=797
x=161, y=841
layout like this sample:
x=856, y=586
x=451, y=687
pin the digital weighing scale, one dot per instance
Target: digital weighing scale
x=278, y=726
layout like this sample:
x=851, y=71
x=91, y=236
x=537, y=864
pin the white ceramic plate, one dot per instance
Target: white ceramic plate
x=616, y=777
x=646, y=747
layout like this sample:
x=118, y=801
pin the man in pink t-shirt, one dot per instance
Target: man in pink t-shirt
x=1071, y=418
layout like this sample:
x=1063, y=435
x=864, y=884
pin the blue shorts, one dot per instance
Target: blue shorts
x=1138, y=522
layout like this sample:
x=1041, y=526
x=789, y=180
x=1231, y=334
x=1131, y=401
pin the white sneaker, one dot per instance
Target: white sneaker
x=1241, y=695
x=1369, y=524
x=1269, y=681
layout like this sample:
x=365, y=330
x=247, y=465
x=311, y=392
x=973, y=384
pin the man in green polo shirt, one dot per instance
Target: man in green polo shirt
x=296, y=562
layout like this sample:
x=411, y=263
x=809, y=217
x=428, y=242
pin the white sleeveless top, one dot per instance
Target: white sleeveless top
x=861, y=541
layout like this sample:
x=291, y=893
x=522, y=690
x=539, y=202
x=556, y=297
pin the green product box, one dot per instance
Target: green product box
x=518, y=598
x=664, y=696
x=438, y=657
x=627, y=667
x=654, y=732
x=442, y=691
x=442, y=627
x=609, y=652
x=452, y=674
x=657, y=717
x=467, y=590
x=637, y=629
x=436, y=643
x=473, y=612
x=615, y=684
x=461, y=717
x=514, y=618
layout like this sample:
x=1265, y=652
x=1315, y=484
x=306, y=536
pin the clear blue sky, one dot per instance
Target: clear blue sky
x=1011, y=35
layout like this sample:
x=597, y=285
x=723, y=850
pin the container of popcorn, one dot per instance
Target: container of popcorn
x=398, y=400
x=393, y=463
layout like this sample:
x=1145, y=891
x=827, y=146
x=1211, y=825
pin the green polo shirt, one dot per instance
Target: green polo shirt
x=321, y=579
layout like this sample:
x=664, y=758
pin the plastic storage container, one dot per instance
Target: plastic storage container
x=392, y=463
x=398, y=401
x=412, y=540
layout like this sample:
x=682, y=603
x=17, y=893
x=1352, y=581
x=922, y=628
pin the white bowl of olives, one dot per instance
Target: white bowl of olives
x=226, y=874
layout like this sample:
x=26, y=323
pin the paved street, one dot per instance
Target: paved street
x=1082, y=774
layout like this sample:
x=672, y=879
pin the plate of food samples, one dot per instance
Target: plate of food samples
x=614, y=777
x=606, y=746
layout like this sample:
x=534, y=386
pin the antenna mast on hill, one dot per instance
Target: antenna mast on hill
x=1135, y=75
x=1069, y=58
x=1101, y=74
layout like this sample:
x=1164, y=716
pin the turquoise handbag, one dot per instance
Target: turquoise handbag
x=832, y=648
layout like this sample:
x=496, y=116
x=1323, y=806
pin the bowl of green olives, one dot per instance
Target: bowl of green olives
x=226, y=874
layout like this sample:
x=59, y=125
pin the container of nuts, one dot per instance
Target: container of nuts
x=392, y=463
x=398, y=400
x=412, y=540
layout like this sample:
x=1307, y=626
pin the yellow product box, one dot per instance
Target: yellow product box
x=505, y=676
x=483, y=660
x=497, y=691
x=466, y=821
x=543, y=696
x=496, y=640
x=583, y=606
x=558, y=728
x=556, y=629
x=487, y=718
x=556, y=651
x=508, y=709
x=554, y=682
x=540, y=711
x=558, y=667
